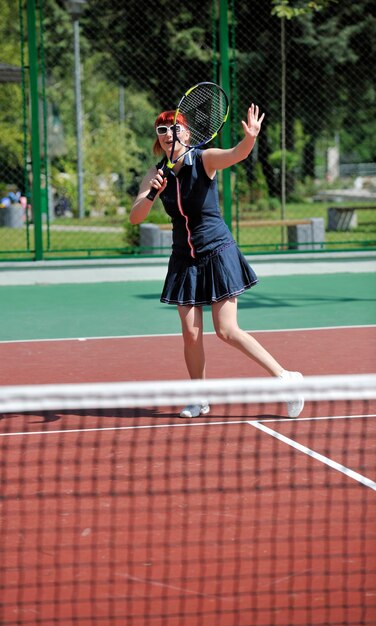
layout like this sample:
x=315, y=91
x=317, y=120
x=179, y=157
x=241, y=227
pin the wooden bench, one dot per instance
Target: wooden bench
x=266, y=223
x=255, y=223
x=302, y=234
x=344, y=217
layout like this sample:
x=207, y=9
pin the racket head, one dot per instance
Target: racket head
x=204, y=108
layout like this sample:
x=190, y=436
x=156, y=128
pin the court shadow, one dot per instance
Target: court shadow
x=292, y=301
x=43, y=418
x=88, y=414
x=48, y=417
x=251, y=299
x=149, y=296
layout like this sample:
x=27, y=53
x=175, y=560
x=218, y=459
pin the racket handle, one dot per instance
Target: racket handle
x=152, y=193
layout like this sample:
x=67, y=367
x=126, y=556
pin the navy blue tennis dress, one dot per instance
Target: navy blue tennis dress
x=206, y=265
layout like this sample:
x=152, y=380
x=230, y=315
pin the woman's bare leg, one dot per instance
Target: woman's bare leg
x=191, y=318
x=226, y=327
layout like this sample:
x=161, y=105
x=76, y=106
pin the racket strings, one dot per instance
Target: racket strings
x=204, y=108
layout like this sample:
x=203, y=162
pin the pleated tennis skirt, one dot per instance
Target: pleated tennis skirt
x=220, y=275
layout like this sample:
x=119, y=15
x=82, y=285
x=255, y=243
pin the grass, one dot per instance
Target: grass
x=89, y=237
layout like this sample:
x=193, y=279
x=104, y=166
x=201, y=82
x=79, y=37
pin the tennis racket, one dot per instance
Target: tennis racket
x=204, y=108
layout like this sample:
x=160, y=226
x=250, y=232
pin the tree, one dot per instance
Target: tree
x=330, y=55
x=340, y=45
x=164, y=56
x=11, y=119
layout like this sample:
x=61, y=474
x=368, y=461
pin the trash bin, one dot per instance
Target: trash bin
x=13, y=216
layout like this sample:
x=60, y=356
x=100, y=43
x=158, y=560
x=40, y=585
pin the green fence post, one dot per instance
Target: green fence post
x=35, y=132
x=226, y=132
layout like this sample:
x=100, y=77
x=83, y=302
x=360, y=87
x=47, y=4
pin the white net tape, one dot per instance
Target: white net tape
x=174, y=393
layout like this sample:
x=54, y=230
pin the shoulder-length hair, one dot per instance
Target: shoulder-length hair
x=166, y=118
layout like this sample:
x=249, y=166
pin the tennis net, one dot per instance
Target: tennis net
x=114, y=511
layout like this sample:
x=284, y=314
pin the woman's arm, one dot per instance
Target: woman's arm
x=217, y=159
x=141, y=206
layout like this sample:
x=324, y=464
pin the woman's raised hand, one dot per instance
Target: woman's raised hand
x=254, y=120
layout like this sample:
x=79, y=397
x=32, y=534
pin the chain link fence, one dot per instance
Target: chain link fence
x=82, y=82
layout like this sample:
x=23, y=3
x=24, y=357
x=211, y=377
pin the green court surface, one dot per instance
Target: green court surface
x=133, y=308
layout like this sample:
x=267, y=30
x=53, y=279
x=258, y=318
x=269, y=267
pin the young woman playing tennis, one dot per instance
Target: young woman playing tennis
x=206, y=267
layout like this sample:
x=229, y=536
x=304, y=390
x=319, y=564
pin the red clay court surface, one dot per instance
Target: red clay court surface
x=153, y=532
x=350, y=350
x=72, y=557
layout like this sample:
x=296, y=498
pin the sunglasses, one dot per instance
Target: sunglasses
x=163, y=130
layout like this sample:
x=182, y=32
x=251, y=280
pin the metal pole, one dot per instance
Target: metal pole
x=121, y=104
x=226, y=132
x=35, y=130
x=283, y=125
x=77, y=88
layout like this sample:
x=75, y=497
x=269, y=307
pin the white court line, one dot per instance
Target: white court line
x=256, y=423
x=313, y=419
x=162, y=335
x=316, y=455
x=228, y=422
x=109, y=428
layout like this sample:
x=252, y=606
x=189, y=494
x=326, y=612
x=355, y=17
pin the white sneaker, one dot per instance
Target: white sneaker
x=294, y=407
x=194, y=410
